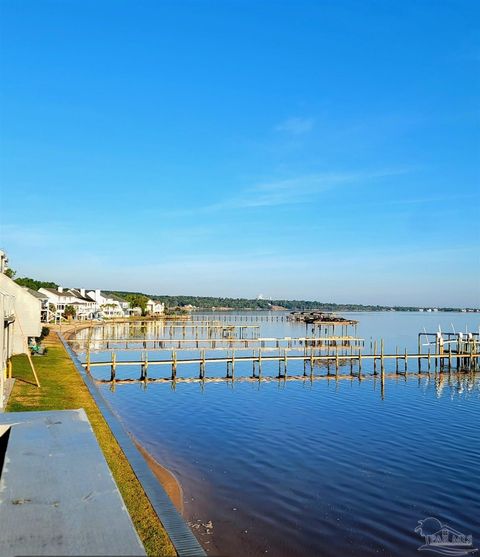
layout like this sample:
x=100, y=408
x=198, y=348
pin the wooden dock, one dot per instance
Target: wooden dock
x=234, y=317
x=454, y=352
x=460, y=362
x=330, y=342
x=159, y=328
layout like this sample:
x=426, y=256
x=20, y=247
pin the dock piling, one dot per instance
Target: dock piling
x=113, y=367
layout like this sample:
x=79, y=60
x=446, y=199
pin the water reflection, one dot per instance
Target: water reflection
x=334, y=465
x=326, y=467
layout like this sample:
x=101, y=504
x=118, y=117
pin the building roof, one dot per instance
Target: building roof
x=66, y=293
x=112, y=296
x=36, y=293
x=76, y=292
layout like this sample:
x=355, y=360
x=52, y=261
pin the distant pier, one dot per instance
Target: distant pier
x=456, y=353
x=333, y=349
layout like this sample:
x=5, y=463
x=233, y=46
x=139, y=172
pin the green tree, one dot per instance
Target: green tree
x=10, y=273
x=35, y=284
x=137, y=301
x=69, y=312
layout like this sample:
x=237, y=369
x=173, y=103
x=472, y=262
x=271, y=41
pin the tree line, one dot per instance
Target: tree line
x=210, y=302
x=139, y=299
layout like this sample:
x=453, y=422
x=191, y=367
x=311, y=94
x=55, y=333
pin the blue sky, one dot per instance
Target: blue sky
x=320, y=150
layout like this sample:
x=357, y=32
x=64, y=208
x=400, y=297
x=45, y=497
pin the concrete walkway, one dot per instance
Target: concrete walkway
x=57, y=495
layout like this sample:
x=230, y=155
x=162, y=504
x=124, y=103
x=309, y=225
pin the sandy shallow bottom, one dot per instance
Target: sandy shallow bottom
x=168, y=480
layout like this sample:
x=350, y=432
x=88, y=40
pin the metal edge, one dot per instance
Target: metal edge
x=182, y=538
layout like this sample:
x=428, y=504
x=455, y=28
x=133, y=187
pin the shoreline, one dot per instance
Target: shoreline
x=165, y=477
x=63, y=388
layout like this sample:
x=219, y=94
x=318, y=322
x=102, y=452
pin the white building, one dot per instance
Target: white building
x=109, y=305
x=45, y=311
x=7, y=314
x=20, y=313
x=155, y=308
x=89, y=304
x=3, y=262
x=27, y=310
x=85, y=306
x=58, y=299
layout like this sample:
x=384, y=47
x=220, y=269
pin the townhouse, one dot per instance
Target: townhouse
x=154, y=307
x=109, y=305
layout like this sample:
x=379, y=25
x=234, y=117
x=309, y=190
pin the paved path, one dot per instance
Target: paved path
x=57, y=495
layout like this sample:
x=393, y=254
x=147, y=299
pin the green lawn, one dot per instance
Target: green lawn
x=62, y=388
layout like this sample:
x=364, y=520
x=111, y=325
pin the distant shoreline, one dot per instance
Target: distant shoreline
x=229, y=304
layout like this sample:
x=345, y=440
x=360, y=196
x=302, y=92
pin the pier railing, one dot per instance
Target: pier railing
x=152, y=344
x=451, y=361
x=452, y=352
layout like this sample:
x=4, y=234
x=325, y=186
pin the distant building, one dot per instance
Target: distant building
x=58, y=299
x=109, y=305
x=155, y=308
x=90, y=304
x=45, y=308
x=85, y=306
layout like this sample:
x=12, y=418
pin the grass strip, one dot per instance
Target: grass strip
x=63, y=389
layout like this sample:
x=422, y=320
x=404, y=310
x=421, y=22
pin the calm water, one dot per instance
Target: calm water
x=324, y=467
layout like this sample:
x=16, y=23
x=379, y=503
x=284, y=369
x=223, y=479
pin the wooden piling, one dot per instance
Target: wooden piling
x=113, y=367
x=381, y=357
x=145, y=368
x=89, y=338
x=459, y=349
x=174, y=364
x=419, y=352
x=202, y=365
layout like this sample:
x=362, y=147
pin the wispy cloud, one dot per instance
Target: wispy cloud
x=296, y=126
x=290, y=191
x=300, y=189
